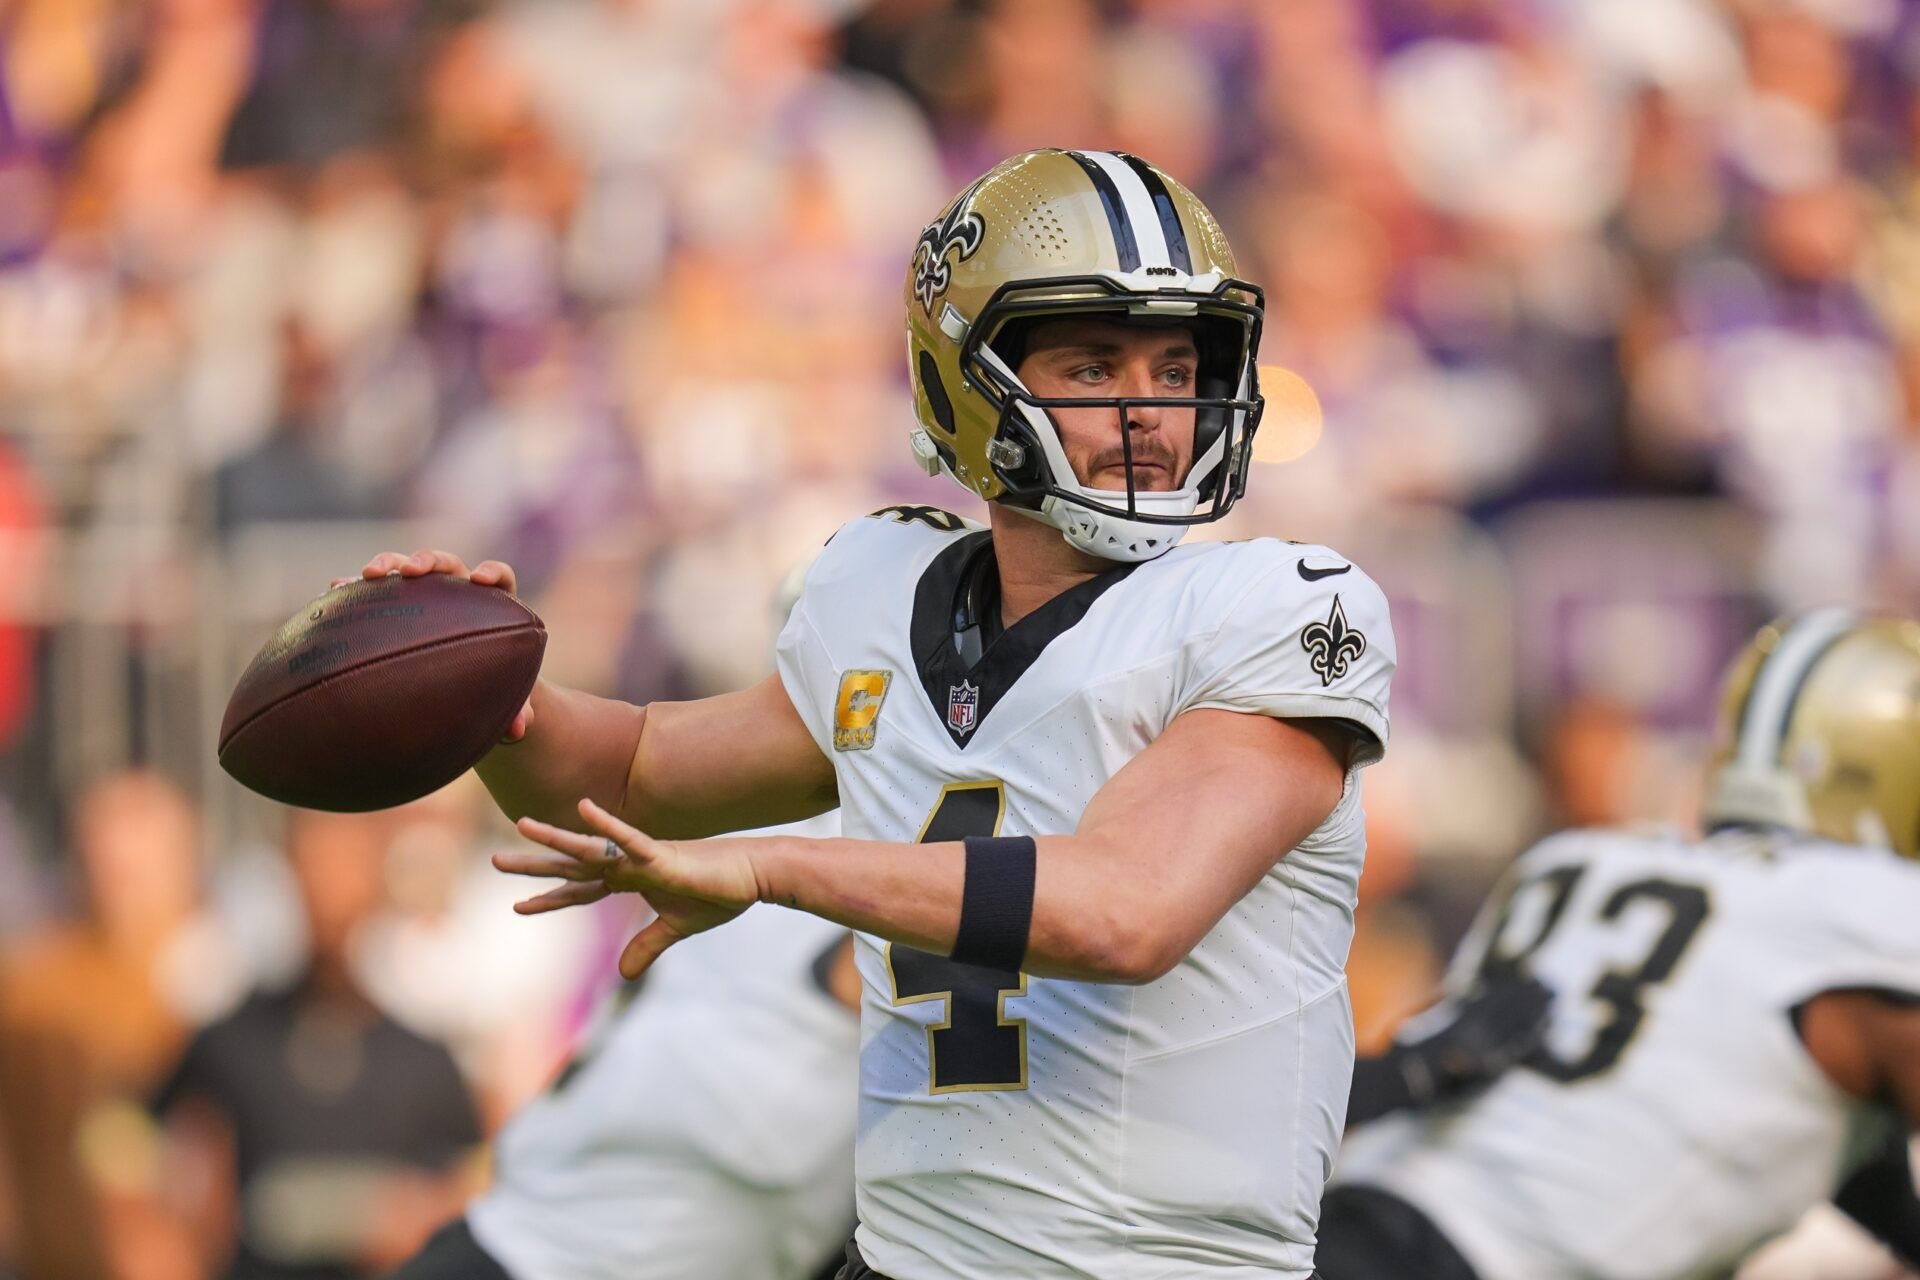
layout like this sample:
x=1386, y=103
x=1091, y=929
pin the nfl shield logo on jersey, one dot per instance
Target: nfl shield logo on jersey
x=963, y=704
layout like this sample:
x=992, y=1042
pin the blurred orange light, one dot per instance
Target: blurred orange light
x=1291, y=425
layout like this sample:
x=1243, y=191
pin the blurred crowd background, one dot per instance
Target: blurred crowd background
x=1612, y=306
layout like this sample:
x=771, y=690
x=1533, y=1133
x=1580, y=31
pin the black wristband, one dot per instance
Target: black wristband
x=996, y=906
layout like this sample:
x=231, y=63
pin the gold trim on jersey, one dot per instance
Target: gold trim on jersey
x=994, y=785
x=946, y=1024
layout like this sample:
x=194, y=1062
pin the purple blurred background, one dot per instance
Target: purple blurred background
x=1611, y=306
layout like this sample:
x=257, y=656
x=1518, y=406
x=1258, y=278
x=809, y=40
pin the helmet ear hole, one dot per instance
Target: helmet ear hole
x=936, y=391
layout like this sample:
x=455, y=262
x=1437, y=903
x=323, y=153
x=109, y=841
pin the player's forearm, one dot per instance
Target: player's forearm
x=576, y=745
x=727, y=763
x=678, y=770
x=1094, y=918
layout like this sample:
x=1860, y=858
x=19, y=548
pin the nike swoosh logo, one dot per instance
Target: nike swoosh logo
x=1314, y=575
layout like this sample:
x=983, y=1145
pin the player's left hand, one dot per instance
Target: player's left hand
x=692, y=885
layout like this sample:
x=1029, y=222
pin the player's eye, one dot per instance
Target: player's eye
x=1089, y=373
x=1177, y=376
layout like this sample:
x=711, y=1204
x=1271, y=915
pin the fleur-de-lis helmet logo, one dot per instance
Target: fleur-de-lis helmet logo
x=957, y=232
x=1332, y=645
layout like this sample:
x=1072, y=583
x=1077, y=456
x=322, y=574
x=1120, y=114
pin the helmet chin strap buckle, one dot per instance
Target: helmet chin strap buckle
x=925, y=455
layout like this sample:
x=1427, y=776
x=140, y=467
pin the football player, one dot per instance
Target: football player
x=666, y=1149
x=1100, y=790
x=1736, y=1027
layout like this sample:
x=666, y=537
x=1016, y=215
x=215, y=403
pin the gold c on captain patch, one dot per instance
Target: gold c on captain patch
x=857, y=708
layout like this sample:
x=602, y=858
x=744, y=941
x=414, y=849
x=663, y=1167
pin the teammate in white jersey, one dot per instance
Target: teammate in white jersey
x=1735, y=1036
x=703, y=1128
x=1100, y=791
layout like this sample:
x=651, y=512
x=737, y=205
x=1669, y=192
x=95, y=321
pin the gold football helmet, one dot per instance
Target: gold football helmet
x=1052, y=233
x=1820, y=731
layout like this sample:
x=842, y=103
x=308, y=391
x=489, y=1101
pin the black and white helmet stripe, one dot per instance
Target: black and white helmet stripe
x=1768, y=711
x=1164, y=208
x=1146, y=226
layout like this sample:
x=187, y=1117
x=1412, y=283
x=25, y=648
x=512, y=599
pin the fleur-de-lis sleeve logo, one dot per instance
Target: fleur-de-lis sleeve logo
x=932, y=272
x=1332, y=645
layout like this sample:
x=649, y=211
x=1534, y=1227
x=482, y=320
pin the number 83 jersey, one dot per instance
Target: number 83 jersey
x=1673, y=1120
x=1020, y=1126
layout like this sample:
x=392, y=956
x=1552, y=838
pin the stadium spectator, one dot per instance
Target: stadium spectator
x=290, y=476
x=324, y=1138
x=329, y=76
x=93, y=1008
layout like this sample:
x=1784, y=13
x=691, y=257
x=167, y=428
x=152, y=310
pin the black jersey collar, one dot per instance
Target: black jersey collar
x=961, y=693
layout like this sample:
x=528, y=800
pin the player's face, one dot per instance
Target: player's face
x=1085, y=357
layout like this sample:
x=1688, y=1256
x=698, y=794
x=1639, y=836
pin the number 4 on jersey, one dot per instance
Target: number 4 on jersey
x=977, y=1046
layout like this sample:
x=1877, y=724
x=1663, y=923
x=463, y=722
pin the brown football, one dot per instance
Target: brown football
x=380, y=692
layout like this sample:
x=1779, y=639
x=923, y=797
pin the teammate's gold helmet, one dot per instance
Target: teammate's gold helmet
x=1052, y=233
x=1820, y=731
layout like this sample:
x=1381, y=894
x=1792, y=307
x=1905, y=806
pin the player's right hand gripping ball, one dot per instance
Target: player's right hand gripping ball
x=380, y=692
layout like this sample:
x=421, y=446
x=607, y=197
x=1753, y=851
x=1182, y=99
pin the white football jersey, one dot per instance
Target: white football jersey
x=1040, y=1128
x=1674, y=1121
x=704, y=1127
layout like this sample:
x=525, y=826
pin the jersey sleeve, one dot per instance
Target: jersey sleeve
x=1867, y=940
x=1301, y=645
x=806, y=670
x=841, y=581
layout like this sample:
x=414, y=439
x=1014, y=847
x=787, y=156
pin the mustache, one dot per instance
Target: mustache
x=1143, y=453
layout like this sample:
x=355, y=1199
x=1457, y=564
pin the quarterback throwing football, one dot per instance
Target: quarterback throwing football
x=1102, y=822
